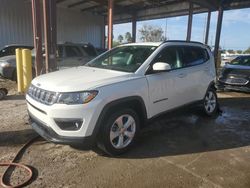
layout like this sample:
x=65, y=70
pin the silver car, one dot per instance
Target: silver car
x=68, y=55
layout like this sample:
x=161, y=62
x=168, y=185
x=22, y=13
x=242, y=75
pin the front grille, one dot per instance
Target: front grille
x=237, y=81
x=42, y=96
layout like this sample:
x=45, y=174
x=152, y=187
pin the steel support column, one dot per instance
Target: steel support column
x=134, y=28
x=190, y=20
x=208, y=27
x=103, y=45
x=110, y=23
x=49, y=13
x=218, y=33
x=37, y=35
x=53, y=14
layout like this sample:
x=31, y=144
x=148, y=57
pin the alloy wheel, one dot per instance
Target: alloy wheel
x=122, y=131
x=210, y=102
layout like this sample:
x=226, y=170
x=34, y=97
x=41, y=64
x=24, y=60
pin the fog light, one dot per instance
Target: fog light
x=69, y=124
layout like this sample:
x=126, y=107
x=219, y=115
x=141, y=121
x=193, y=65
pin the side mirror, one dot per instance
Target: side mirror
x=226, y=63
x=161, y=66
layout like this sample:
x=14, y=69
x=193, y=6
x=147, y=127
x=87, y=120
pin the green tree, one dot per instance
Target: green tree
x=231, y=51
x=247, y=51
x=151, y=34
x=115, y=43
x=120, y=38
x=128, y=37
x=239, y=51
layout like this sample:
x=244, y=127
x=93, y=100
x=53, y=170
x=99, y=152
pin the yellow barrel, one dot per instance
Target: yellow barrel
x=19, y=70
x=27, y=68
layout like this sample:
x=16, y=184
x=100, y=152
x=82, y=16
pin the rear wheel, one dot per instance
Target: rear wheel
x=119, y=132
x=210, y=102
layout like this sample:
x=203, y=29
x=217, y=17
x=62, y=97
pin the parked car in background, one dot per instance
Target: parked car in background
x=89, y=49
x=11, y=49
x=108, y=100
x=72, y=54
x=100, y=50
x=68, y=55
x=235, y=75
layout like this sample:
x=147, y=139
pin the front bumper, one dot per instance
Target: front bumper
x=222, y=86
x=48, y=134
x=43, y=120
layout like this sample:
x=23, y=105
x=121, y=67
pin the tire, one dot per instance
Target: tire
x=114, y=138
x=210, y=103
x=14, y=76
x=3, y=93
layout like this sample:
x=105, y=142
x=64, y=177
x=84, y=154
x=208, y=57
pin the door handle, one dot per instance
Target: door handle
x=182, y=75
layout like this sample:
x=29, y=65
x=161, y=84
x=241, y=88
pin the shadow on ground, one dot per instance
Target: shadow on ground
x=14, y=138
x=14, y=97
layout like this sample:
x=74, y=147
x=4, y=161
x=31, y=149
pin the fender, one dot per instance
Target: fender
x=121, y=101
x=211, y=85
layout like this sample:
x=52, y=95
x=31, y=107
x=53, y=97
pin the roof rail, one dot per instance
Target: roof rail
x=195, y=42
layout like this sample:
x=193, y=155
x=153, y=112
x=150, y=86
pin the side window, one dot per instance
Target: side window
x=90, y=50
x=11, y=51
x=191, y=56
x=169, y=55
x=72, y=51
x=8, y=51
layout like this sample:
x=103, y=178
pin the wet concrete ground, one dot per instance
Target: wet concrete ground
x=181, y=149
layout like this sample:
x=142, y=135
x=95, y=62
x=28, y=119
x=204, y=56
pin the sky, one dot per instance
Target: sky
x=235, y=32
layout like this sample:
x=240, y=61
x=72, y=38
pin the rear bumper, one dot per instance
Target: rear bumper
x=50, y=135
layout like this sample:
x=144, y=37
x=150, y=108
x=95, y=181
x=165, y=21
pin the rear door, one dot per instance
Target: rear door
x=196, y=70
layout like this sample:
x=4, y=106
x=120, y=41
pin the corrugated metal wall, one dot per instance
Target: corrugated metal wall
x=75, y=26
x=72, y=26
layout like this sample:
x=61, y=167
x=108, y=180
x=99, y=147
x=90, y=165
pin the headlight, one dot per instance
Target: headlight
x=77, y=98
x=5, y=64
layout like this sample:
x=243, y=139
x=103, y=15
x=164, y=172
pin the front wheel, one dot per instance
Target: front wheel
x=119, y=132
x=210, y=103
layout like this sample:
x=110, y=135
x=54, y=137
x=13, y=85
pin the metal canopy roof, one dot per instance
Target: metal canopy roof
x=126, y=10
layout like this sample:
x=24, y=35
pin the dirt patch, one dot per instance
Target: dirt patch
x=9, y=85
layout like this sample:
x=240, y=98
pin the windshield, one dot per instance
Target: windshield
x=124, y=58
x=243, y=60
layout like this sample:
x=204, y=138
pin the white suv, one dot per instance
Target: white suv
x=109, y=99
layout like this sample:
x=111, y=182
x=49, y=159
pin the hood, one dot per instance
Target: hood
x=237, y=70
x=80, y=79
